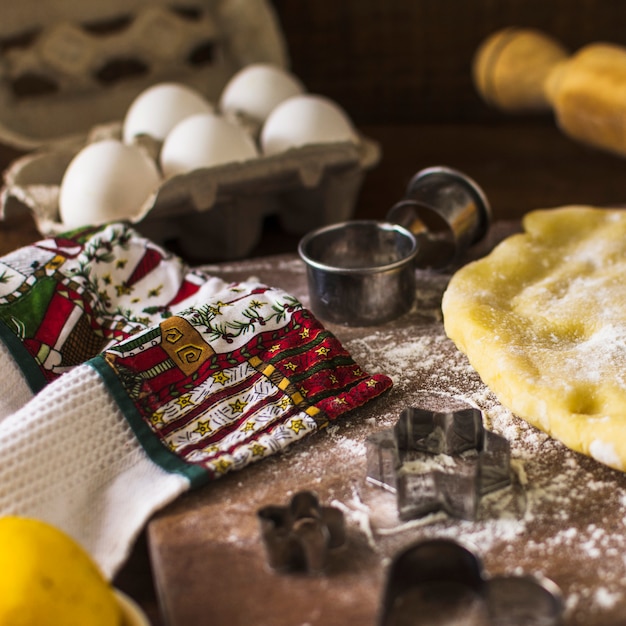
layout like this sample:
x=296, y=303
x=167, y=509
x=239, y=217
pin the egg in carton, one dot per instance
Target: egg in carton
x=70, y=53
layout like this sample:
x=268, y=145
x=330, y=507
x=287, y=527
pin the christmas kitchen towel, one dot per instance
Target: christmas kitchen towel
x=134, y=377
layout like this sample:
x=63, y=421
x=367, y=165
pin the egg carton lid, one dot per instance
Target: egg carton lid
x=67, y=66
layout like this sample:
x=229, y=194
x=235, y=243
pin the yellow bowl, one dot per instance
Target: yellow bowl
x=132, y=615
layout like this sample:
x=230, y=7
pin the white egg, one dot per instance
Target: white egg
x=106, y=181
x=257, y=89
x=159, y=108
x=305, y=119
x=205, y=140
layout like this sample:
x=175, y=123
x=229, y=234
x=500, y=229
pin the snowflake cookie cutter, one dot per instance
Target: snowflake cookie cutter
x=437, y=460
x=300, y=536
x=444, y=580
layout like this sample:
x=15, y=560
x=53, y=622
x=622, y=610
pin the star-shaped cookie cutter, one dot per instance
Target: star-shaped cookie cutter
x=444, y=580
x=299, y=536
x=438, y=460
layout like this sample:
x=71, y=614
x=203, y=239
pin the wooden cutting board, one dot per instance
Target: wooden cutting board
x=563, y=517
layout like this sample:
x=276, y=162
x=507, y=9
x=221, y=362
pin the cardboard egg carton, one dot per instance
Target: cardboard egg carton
x=69, y=72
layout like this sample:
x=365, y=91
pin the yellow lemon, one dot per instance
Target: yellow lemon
x=47, y=579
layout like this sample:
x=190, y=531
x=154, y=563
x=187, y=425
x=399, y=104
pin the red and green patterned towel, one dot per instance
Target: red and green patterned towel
x=211, y=376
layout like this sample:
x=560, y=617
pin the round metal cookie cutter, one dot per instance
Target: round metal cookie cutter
x=446, y=211
x=441, y=581
x=360, y=272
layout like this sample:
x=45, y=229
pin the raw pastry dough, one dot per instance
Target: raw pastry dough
x=542, y=319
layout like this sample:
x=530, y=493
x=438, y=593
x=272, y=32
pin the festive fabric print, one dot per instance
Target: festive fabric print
x=210, y=376
x=226, y=384
x=65, y=299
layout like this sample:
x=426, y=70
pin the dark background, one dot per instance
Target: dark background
x=402, y=70
x=409, y=62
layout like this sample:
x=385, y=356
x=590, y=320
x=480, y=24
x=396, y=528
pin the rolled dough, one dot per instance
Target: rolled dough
x=542, y=319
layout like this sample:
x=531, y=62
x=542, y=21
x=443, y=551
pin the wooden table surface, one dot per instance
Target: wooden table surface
x=561, y=518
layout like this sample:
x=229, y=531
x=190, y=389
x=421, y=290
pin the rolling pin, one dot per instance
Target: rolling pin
x=522, y=70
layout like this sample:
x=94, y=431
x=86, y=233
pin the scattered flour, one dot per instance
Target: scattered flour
x=543, y=524
x=563, y=517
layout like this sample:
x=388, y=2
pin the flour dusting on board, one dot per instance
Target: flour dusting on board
x=547, y=511
x=562, y=517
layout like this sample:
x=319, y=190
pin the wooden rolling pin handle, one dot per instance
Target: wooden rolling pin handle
x=519, y=70
x=511, y=67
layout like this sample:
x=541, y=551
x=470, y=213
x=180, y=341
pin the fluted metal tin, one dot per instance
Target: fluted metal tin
x=446, y=211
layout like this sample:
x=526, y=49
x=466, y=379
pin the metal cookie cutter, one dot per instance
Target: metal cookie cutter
x=446, y=211
x=298, y=537
x=361, y=272
x=438, y=460
x=438, y=581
